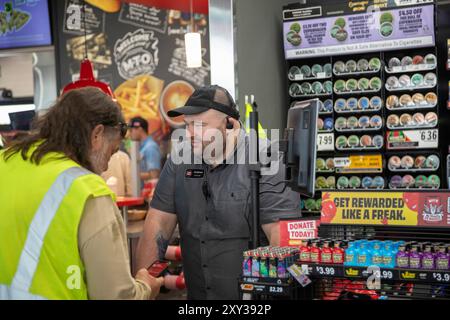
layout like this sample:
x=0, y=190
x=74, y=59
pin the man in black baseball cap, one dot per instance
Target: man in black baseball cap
x=211, y=200
x=150, y=162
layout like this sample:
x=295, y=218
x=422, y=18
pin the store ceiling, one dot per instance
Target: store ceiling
x=199, y=6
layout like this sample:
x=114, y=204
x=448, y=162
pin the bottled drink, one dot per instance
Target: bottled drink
x=428, y=259
x=350, y=256
x=247, y=265
x=442, y=259
x=338, y=254
x=402, y=258
x=305, y=252
x=415, y=258
x=315, y=253
x=255, y=264
x=364, y=255
x=326, y=253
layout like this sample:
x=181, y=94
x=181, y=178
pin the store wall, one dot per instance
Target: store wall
x=16, y=74
x=260, y=58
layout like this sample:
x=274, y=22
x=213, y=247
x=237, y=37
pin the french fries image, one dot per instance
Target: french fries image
x=140, y=97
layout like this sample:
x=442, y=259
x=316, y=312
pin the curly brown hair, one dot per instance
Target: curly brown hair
x=67, y=126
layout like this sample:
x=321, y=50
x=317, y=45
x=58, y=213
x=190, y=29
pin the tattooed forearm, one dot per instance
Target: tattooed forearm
x=162, y=244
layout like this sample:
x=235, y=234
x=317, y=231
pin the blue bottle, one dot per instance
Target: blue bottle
x=350, y=257
x=364, y=255
x=377, y=255
x=389, y=255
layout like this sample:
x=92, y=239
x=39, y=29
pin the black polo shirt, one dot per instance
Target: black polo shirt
x=215, y=228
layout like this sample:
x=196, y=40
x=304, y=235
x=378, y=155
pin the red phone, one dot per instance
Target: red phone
x=159, y=268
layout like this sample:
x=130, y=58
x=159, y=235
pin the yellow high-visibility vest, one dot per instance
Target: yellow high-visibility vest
x=40, y=211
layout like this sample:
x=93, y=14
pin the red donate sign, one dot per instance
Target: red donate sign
x=292, y=232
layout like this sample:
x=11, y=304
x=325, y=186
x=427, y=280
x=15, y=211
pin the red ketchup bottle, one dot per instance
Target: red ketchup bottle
x=305, y=252
x=315, y=252
x=338, y=254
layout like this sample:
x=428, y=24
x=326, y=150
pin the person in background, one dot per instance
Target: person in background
x=61, y=233
x=118, y=176
x=150, y=163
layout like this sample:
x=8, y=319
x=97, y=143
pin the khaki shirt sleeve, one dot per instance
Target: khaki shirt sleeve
x=103, y=250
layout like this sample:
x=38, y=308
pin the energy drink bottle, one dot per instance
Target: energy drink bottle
x=272, y=266
x=305, y=252
x=428, y=259
x=326, y=253
x=350, y=257
x=377, y=256
x=402, y=258
x=388, y=255
x=281, y=266
x=338, y=254
x=264, y=265
x=442, y=259
x=255, y=264
x=315, y=252
x=415, y=258
x=363, y=257
x=247, y=265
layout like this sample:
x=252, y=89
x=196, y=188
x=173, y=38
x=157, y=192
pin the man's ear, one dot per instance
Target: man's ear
x=232, y=123
x=97, y=137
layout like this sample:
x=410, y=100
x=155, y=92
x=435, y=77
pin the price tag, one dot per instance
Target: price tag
x=384, y=274
x=441, y=277
x=298, y=77
x=325, y=142
x=414, y=139
x=325, y=271
x=321, y=75
x=273, y=289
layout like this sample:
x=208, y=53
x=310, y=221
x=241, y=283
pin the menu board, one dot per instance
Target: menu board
x=369, y=31
x=139, y=51
x=24, y=23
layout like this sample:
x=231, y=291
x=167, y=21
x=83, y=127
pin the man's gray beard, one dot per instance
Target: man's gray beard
x=97, y=159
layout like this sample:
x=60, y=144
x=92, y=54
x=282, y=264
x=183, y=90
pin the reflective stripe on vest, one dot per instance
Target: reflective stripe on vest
x=29, y=258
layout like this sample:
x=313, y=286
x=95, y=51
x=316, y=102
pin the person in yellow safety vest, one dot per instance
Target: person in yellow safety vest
x=61, y=234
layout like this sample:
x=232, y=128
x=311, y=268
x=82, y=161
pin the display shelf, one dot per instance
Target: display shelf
x=394, y=274
x=357, y=111
x=358, y=148
x=356, y=73
x=415, y=107
x=411, y=127
x=411, y=68
x=361, y=189
x=413, y=170
x=312, y=95
x=323, y=113
x=325, y=131
x=344, y=93
x=359, y=129
x=413, y=189
x=325, y=171
x=301, y=78
x=409, y=88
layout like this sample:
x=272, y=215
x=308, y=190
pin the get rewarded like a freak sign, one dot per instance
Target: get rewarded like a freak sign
x=386, y=208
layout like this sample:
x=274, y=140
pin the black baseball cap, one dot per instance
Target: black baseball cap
x=138, y=122
x=205, y=98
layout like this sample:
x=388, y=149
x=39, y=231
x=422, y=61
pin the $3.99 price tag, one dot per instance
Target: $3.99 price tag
x=325, y=142
x=441, y=277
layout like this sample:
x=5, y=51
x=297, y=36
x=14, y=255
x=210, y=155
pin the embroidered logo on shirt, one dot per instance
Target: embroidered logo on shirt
x=194, y=173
